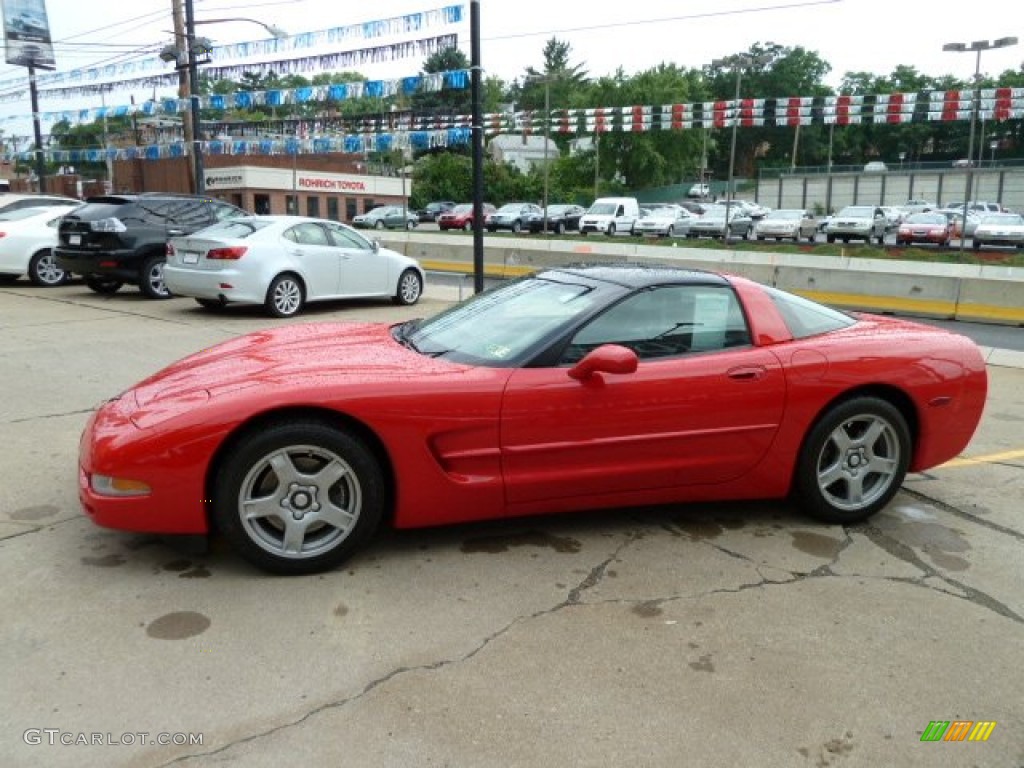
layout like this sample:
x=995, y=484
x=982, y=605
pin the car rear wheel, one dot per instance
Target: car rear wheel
x=410, y=288
x=285, y=296
x=830, y=238
x=298, y=497
x=610, y=231
x=43, y=270
x=378, y=224
x=101, y=284
x=853, y=461
x=151, y=278
x=516, y=227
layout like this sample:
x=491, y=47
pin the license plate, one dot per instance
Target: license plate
x=74, y=239
x=190, y=257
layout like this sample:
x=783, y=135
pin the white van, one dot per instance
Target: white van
x=611, y=215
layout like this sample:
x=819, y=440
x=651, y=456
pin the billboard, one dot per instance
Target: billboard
x=27, y=34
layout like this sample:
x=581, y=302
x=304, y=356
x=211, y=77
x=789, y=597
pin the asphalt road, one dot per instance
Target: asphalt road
x=705, y=635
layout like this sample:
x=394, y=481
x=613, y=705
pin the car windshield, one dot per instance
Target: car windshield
x=557, y=210
x=495, y=328
x=926, y=218
x=788, y=215
x=464, y=208
x=857, y=212
x=510, y=208
x=1004, y=219
x=603, y=209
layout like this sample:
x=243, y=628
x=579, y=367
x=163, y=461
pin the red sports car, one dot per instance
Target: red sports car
x=570, y=389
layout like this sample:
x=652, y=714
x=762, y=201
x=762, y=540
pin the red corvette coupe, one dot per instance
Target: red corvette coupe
x=573, y=388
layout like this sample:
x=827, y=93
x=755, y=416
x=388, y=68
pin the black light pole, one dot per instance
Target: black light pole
x=193, y=95
x=34, y=97
x=478, y=146
x=977, y=46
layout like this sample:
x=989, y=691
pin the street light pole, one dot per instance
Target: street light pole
x=547, y=139
x=977, y=46
x=737, y=63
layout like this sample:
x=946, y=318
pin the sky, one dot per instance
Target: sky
x=852, y=35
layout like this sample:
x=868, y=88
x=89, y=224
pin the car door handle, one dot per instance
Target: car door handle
x=175, y=232
x=746, y=373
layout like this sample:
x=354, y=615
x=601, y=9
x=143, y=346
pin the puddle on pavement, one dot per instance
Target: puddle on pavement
x=703, y=664
x=495, y=544
x=940, y=543
x=30, y=514
x=196, y=572
x=816, y=544
x=647, y=609
x=178, y=625
x=104, y=561
x=341, y=610
x=177, y=565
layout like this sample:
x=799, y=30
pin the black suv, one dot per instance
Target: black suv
x=118, y=239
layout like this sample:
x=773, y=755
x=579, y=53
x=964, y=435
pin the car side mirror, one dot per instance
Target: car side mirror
x=608, y=358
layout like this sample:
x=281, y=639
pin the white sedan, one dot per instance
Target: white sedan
x=664, y=221
x=27, y=239
x=282, y=262
x=999, y=229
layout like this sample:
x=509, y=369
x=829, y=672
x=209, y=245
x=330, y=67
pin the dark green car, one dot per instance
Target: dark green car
x=387, y=217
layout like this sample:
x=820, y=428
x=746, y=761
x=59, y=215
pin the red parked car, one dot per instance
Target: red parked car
x=926, y=228
x=569, y=389
x=461, y=216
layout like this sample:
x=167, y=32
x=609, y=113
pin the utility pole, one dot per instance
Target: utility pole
x=181, y=42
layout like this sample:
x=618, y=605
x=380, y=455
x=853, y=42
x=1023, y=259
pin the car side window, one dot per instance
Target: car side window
x=308, y=233
x=222, y=212
x=190, y=215
x=666, y=321
x=345, y=238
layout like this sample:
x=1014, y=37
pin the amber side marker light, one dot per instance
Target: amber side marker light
x=118, y=486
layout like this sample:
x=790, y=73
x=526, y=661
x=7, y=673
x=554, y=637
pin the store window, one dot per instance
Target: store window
x=313, y=206
x=351, y=211
x=332, y=208
x=291, y=205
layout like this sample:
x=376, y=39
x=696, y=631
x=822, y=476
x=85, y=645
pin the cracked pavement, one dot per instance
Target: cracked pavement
x=711, y=634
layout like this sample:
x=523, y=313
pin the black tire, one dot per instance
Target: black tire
x=843, y=488
x=214, y=305
x=103, y=285
x=43, y=270
x=285, y=296
x=976, y=244
x=316, y=482
x=409, y=289
x=378, y=224
x=611, y=230
x=830, y=238
x=151, y=278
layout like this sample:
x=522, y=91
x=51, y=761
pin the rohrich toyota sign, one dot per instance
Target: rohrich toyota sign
x=330, y=185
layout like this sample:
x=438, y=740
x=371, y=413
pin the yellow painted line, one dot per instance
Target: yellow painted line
x=989, y=312
x=973, y=461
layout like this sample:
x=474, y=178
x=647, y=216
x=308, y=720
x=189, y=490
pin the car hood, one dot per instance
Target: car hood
x=297, y=356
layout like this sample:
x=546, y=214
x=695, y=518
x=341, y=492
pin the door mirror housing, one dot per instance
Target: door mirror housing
x=608, y=358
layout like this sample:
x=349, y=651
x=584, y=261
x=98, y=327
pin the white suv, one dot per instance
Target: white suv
x=858, y=222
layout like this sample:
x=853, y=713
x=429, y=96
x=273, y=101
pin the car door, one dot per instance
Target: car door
x=316, y=256
x=702, y=407
x=364, y=270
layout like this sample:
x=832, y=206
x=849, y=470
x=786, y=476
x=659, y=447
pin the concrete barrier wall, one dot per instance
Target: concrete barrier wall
x=963, y=291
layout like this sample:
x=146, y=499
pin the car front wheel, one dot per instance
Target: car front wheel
x=853, y=461
x=298, y=496
x=43, y=270
x=151, y=278
x=285, y=296
x=410, y=288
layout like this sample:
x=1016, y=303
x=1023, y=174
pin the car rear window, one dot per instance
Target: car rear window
x=235, y=228
x=806, y=318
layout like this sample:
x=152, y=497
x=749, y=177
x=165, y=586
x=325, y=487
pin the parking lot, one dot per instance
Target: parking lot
x=725, y=634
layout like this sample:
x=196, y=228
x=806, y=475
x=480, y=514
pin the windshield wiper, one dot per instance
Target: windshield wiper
x=401, y=334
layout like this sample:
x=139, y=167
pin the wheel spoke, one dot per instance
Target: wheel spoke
x=266, y=506
x=855, y=489
x=328, y=476
x=841, y=438
x=882, y=466
x=874, y=431
x=283, y=468
x=830, y=474
x=294, y=536
x=337, y=517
